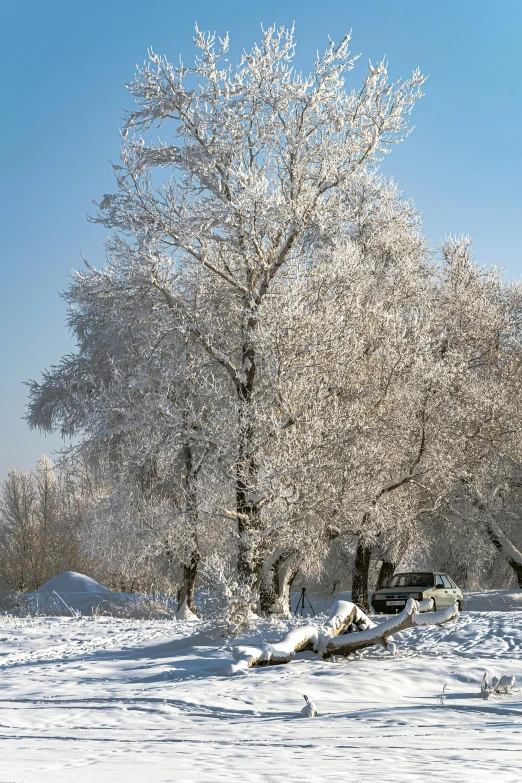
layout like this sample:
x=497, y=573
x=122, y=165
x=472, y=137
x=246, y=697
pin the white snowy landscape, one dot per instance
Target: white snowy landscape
x=94, y=698
x=279, y=386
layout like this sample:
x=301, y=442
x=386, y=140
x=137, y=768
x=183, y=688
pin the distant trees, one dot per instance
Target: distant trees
x=40, y=513
x=271, y=364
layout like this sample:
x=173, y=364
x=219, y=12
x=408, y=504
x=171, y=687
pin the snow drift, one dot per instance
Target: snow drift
x=72, y=582
x=71, y=594
x=68, y=593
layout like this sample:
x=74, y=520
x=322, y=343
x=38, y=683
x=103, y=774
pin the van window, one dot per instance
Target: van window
x=447, y=583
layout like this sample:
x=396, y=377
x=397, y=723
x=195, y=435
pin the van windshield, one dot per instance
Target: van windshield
x=411, y=580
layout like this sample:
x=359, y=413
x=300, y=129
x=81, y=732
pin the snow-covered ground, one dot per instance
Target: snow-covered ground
x=109, y=700
x=494, y=601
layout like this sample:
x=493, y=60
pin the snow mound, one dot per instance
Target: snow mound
x=184, y=613
x=71, y=582
x=67, y=594
x=73, y=594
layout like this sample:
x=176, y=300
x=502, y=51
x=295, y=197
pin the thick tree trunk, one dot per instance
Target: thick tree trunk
x=275, y=580
x=248, y=517
x=337, y=636
x=386, y=572
x=248, y=528
x=508, y=550
x=190, y=568
x=361, y=569
x=247, y=496
x=190, y=571
x=289, y=573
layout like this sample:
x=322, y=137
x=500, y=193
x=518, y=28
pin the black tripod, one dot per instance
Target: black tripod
x=301, y=603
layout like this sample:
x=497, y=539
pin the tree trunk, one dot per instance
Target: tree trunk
x=508, y=550
x=190, y=570
x=190, y=487
x=385, y=573
x=247, y=497
x=361, y=570
x=290, y=571
x=275, y=579
x=247, y=513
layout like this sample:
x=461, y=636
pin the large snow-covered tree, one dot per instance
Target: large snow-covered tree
x=270, y=341
x=248, y=183
x=257, y=160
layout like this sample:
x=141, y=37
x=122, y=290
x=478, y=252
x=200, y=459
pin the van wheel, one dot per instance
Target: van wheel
x=459, y=606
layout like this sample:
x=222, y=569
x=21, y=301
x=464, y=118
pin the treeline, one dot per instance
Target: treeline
x=41, y=514
x=273, y=366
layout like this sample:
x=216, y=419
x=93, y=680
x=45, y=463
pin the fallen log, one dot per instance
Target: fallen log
x=347, y=630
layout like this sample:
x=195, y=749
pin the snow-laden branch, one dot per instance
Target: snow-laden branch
x=347, y=629
x=204, y=340
x=507, y=549
x=503, y=544
x=498, y=538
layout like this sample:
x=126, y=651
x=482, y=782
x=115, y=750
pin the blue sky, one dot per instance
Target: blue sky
x=65, y=63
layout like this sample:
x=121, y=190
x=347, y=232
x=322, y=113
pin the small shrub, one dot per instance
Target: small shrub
x=231, y=602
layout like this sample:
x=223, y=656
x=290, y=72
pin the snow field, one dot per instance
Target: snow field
x=128, y=701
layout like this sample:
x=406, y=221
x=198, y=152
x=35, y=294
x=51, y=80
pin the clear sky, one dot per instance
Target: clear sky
x=64, y=64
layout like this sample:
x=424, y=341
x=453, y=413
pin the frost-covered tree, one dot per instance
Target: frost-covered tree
x=396, y=382
x=486, y=314
x=257, y=160
x=270, y=341
x=247, y=185
x=479, y=318
x=348, y=348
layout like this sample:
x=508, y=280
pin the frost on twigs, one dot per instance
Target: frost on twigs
x=337, y=636
x=443, y=696
x=496, y=686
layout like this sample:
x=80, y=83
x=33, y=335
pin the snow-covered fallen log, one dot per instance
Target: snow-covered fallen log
x=383, y=633
x=266, y=654
x=347, y=629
